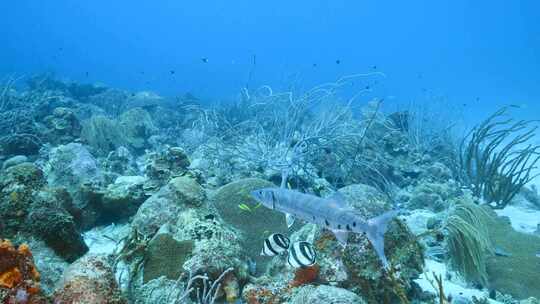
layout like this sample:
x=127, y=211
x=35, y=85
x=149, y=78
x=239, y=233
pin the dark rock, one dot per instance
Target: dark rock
x=164, y=206
x=18, y=184
x=49, y=220
x=122, y=198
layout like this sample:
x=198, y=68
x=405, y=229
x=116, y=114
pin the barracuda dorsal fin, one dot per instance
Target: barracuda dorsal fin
x=289, y=219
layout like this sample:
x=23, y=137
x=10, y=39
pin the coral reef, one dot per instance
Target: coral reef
x=131, y=197
x=19, y=277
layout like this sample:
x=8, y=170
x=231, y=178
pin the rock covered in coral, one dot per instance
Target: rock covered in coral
x=197, y=242
x=18, y=185
x=365, y=199
x=74, y=168
x=63, y=126
x=102, y=133
x=144, y=99
x=165, y=256
x=161, y=167
x=21, y=134
x=89, y=280
x=13, y=161
x=429, y=195
x=163, y=207
x=111, y=101
x=49, y=219
x=216, y=247
x=119, y=162
x=158, y=291
x=19, y=277
x=324, y=294
x=255, y=221
x=28, y=206
x=72, y=165
x=137, y=127
x=122, y=198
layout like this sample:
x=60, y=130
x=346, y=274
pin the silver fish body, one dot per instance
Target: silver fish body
x=331, y=213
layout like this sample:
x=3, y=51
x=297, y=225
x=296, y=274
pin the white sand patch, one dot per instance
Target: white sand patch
x=105, y=239
x=451, y=287
x=522, y=218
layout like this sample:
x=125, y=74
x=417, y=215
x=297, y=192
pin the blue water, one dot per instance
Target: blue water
x=475, y=54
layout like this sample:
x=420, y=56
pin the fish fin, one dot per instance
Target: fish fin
x=339, y=199
x=289, y=219
x=341, y=236
x=377, y=227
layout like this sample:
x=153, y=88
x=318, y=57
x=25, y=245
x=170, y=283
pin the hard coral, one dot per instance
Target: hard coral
x=18, y=274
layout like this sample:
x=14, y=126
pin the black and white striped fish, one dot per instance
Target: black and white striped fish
x=301, y=254
x=275, y=244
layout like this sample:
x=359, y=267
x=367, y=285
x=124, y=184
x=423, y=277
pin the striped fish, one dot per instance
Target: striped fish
x=275, y=244
x=301, y=254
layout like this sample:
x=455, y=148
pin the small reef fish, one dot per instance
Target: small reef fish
x=275, y=244
x=331, y=213
x=301, y=254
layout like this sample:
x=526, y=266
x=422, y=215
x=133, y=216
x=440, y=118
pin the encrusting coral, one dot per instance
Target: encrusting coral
x=19, y=278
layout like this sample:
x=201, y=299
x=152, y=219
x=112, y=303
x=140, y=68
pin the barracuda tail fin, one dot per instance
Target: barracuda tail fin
x=377, y=227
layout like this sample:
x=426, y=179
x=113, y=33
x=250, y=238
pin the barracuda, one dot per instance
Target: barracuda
x=331, y=213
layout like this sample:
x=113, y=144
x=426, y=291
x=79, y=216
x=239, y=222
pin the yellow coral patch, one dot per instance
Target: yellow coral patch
x=24, y=250
x=5, y=244
x=10, y=278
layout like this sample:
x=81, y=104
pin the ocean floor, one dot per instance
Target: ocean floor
x=454, y=287
x=523, y=218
